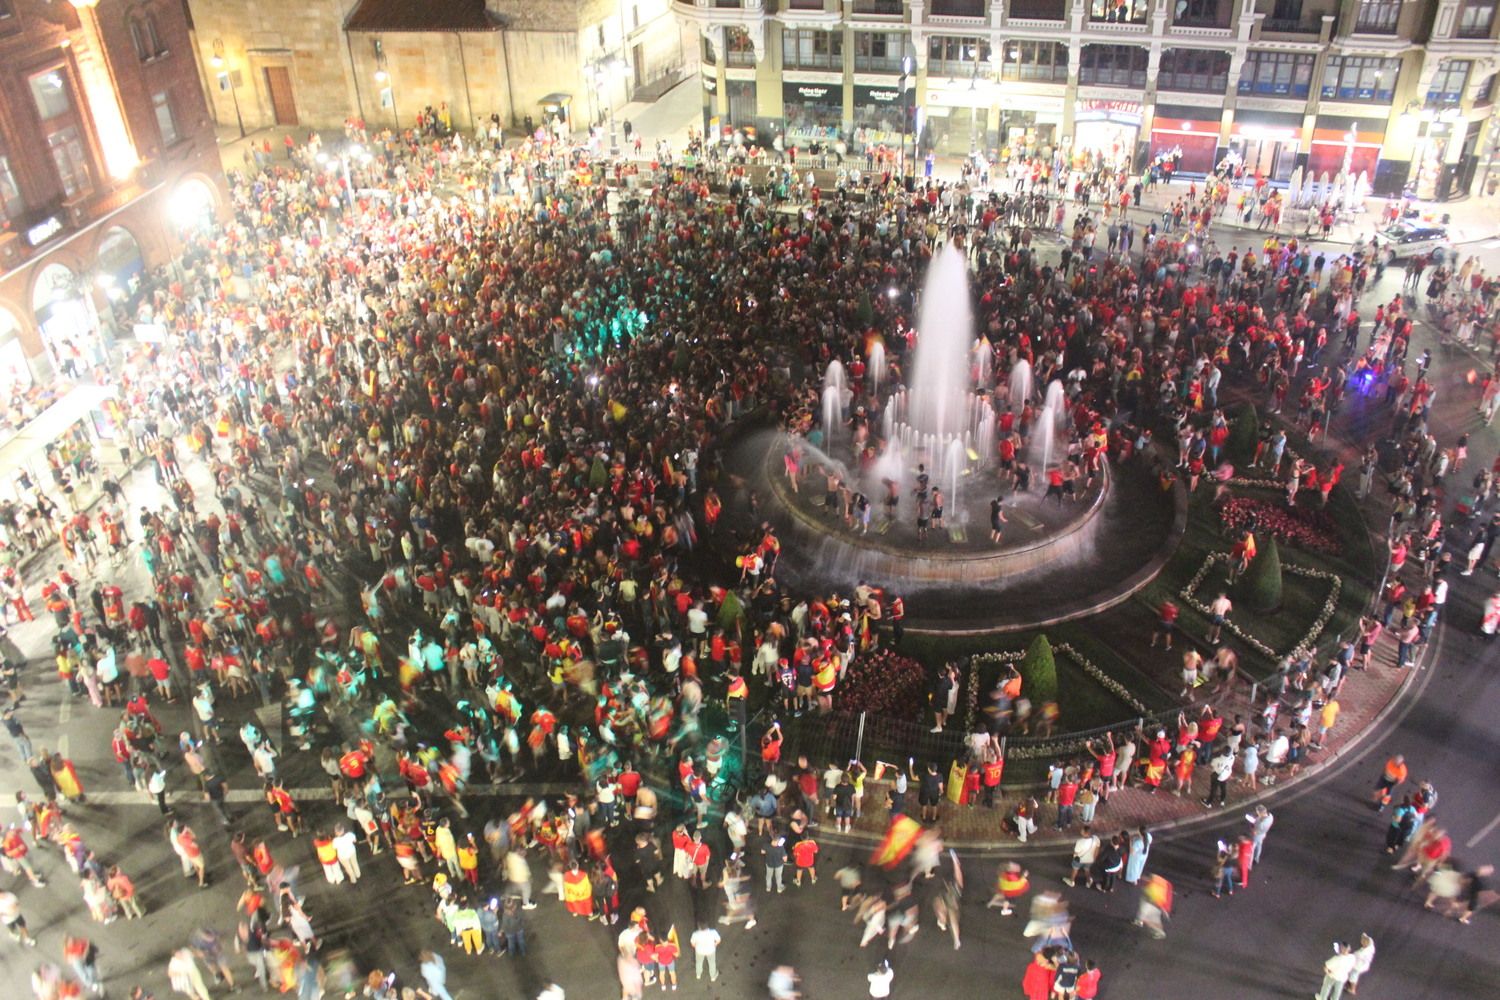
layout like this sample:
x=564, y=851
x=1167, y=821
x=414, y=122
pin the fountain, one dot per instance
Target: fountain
x=1048, y=423
x=876, y=366
x=1020, y=385
x=945, y=412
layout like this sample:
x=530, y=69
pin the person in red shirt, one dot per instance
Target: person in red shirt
x=666, y=960
x=1088, y=983
x=1166, y=621
x=805, y=856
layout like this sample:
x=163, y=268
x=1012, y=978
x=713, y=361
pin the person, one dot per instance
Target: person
x=880, y=979
x=13, y=919
x=185, y=976
x=1336, y=971
x=1010, y=885
x=1040, y=974
x=434, y=972
x=1261, y=821
x=1155, y=905
x=784, y=983
x=705, y=943
x=1392, y=775
x=1221, y=874
x=775, y=854
x=1088, y=982
x=1364, y=957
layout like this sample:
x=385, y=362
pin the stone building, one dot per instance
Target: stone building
x=1402, y=90
x=314, y=62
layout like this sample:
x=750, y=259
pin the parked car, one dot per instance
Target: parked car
x=1407, y=239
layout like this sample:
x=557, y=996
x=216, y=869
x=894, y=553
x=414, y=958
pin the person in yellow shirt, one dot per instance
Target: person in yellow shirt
x=468, y=860
x=1328, y=714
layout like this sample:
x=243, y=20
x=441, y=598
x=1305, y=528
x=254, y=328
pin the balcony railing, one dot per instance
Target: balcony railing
x=1038, y=10
x=1475, y=30
x=957, y=8
x=1218, y=19
x=1307, y=24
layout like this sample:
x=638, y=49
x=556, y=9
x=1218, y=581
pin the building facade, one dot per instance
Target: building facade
x=1401, y=91
x=312, y=63
x=107, y=156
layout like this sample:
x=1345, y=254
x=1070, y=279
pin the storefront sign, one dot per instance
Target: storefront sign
x=812, y=93
x=44, y=230
x=877, y=95
x=1118, y=112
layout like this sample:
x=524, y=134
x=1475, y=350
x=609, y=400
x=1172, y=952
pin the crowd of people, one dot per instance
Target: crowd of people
x=491, y=389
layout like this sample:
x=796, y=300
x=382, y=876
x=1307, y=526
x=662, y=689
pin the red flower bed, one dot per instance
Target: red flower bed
x=883, y=683
x=1307, y=529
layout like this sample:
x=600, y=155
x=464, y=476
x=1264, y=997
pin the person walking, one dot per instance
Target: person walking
x=185, y=976
x=13, y=919
x=1336, y=971
x=434, y=972
x=1137, y=854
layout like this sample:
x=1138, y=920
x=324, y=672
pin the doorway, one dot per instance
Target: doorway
x=279, y=86
x=1271, y=158
x=638, y=65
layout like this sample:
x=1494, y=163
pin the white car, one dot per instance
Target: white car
x=1405, y=239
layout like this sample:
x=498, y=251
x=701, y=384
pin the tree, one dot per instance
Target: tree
x=1039, y=673
x=1260, y=587
x=1243, y=435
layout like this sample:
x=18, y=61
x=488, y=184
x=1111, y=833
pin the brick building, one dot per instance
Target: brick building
x=107, y=149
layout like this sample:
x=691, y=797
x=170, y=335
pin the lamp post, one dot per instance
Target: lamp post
x=908, y=108
x=604, y=73
x=384, y=79
x=228, y=77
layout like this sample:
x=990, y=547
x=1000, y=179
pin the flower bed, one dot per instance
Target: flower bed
x=1313, y=531
x=1308, y=641
x=1095, y=672
x=883, y=683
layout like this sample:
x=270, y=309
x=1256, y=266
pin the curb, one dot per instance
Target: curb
x=1323, y=770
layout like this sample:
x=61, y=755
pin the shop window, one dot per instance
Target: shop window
x=709, y=59
x=956, y=56
x=1448, y=83
x=1477, y=19
x=879, y=51
x=1202, y=71
x=812, y=48
x=1278, y=74
x=1113, y=66
x=1046, y=62
x=1360, y=78
x=1377, y=17
x=739, y=50
x=167, y=125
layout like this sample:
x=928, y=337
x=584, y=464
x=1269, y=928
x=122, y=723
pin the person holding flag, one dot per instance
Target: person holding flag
x=578, y=892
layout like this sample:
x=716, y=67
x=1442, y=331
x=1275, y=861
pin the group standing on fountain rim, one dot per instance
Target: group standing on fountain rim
x=439, y=399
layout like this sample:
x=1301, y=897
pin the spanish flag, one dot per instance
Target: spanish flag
x=900, y=837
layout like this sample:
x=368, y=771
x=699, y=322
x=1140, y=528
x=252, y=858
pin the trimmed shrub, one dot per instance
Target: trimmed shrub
x=1243, y=435
x=1260, y=587
x=1039, y=673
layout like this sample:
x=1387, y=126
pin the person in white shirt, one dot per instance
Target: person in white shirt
x=1085, y=851
x=880, y=980
x=344, y=848
x=705, y=942
x=1336, y=972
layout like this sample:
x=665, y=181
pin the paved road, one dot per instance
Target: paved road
x=1322, y=878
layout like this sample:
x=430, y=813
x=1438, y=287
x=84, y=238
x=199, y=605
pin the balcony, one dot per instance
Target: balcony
x=1304, y=26
x=880, y=8
x=1118, y=12
x=814, y=5
x=1202, y=16
x=957, y=8
x=1038, y=10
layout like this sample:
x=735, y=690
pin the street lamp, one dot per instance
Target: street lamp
x=908, y=108
x=227, y=77
x=604, y=73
